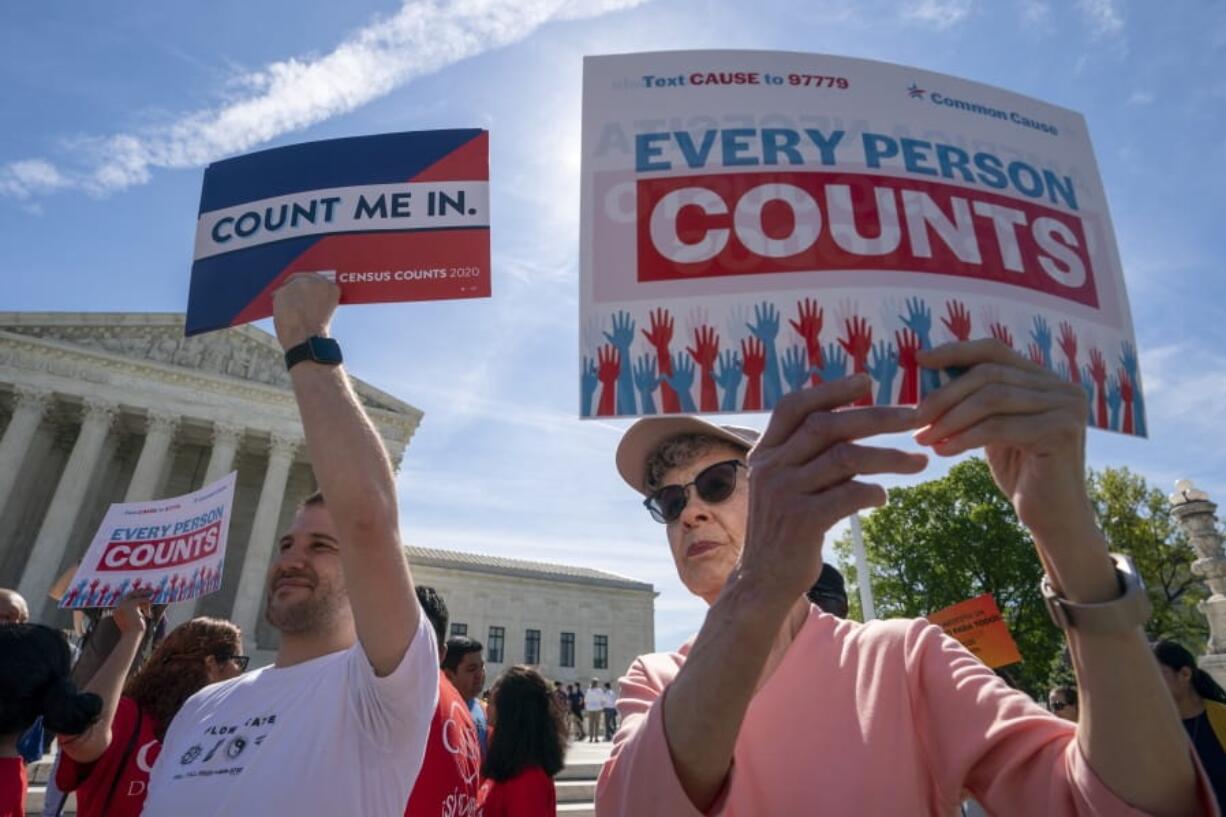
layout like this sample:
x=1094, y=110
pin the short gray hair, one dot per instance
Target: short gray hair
x=680, y=451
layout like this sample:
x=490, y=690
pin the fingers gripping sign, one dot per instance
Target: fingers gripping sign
x=303, y=307
x=1030, y=423
x=804, y=477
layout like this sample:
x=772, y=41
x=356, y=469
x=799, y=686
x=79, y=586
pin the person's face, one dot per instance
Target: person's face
x=13, y=609
x=469, y=675
x=306, y=586
x=1179, y=682
x=223, y=668
x=706, y=540
x=1061, y=708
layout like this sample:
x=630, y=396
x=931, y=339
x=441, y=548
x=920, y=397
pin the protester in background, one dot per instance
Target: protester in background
x=449, y=781
x=34, y=683
x=907, y=719
x=829, y=592
x=1062, y=701
x=13, y=607
x=527, y=749
x=109, y=764
x=464, y=666
x=593, y=708
x=610, y=711
x=576, y=709
x=338, y=723
x=1201, y=702
x=561, y=700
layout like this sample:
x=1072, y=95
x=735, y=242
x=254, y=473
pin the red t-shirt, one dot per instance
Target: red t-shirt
x=92, y=781
x=528, y=794
x=449, y=781
x=12, y=787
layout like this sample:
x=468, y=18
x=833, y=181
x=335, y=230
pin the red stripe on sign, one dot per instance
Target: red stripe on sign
x=158, y=554
x=756, y=223
x=468, y=162
x=425, y=265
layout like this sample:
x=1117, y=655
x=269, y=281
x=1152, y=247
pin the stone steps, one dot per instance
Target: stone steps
x=575, y=786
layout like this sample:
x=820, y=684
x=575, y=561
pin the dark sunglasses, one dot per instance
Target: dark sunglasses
x=715, y=483
x=1056, y=706
x=241, y=660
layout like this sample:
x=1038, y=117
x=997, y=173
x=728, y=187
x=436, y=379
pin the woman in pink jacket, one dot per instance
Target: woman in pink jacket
x=776, y=708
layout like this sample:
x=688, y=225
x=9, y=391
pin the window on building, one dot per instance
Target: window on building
x=568, y=650
x=600, y=652
x=532, y=647
x=458, y=628
x=493, y=647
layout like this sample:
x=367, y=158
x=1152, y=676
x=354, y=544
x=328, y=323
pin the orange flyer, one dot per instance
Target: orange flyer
x=978, y=625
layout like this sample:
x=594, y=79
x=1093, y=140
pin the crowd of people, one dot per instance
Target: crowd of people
x=779, y=704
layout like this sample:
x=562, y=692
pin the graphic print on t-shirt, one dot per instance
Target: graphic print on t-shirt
x=224, y=749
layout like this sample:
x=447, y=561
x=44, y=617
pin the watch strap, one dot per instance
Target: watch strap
x=1130, y=610
x=317, y=349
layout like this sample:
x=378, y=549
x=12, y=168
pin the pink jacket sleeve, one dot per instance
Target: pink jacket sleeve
x=1013, y=756
x=638, y=779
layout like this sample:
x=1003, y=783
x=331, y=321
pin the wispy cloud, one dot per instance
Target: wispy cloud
x=940, y=14
x=292, y=94
x=1103, y=16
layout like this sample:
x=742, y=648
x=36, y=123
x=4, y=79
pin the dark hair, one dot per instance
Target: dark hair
x=176, y=670
x=1067, y=692
x=459, y=646
x=829, y=592
x=436, y=610
x=1176, y=656
x=528, y=729
x=34, y=666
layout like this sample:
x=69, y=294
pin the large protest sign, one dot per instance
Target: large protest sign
x=175, y=547
x=976, y=623
x=753, y=222
x=394, y=217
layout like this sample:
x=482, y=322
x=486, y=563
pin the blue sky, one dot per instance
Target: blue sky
x=111, y=112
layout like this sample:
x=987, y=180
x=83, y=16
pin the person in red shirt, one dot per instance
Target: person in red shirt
x=108, y=765
x=527, y=747
x=450, y=771
x=34, y=665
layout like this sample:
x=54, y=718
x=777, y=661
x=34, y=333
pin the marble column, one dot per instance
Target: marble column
x=160, y=430
x=249, y=597
x=226, y=439
x=53, y=536
x=28, y=411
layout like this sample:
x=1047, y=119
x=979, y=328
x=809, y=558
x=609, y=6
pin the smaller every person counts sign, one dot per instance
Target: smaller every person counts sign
x=392, y=217
x=174, y=547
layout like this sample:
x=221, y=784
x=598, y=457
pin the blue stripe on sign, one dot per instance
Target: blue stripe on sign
x=381, y=159
x=223, y=286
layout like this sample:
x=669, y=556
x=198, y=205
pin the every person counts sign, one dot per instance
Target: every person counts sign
x=755, y=222
x=175, y=547
x=393, y=217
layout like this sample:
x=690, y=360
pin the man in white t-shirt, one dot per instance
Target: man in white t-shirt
x=338, y=724
x=593, y=708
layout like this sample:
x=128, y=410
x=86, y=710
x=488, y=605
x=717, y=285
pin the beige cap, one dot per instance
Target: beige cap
x=649, y=433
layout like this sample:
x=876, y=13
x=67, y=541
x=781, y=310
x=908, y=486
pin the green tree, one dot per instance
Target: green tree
x=1136, y=520
x=953, y=538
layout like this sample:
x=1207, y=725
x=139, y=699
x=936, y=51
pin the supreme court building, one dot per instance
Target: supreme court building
x=97, y=408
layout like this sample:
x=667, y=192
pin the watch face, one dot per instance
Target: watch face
x=324, y=350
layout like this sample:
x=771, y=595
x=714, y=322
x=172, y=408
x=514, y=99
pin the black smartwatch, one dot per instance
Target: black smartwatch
x=317, y=349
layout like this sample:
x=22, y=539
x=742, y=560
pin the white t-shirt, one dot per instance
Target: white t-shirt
x=322, y=737
x=593, y=700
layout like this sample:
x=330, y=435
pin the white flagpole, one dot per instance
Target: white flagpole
x=862, y=577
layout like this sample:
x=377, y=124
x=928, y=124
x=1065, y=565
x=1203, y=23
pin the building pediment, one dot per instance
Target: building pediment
x=241, y=353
